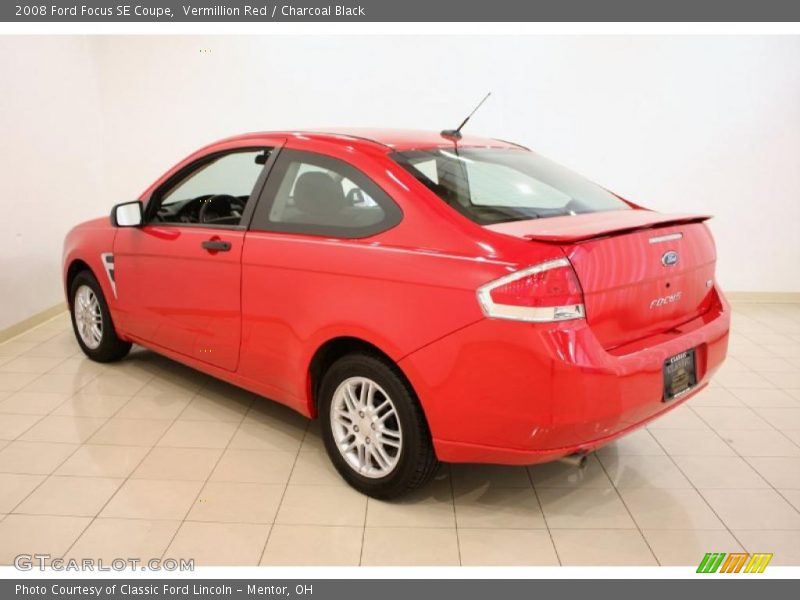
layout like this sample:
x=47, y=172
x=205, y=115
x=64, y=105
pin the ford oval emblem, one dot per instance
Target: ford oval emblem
x=670, y=258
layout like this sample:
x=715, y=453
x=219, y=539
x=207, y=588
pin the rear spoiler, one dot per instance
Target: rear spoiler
x=579, y=228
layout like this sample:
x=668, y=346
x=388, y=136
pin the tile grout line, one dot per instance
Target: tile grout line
x=124, y=479
x=450, y=477
x=754, y=411
x=393, y=527
x=71, y=454
x=541, y=508
x=363, y=534
x=735, y=451
x=697, y=490
x=285, y=489
x=630, y=514
x=544, y=516
x=781, y=434
x=153, y=376
x=182, y=521
x=773, y=428
x=72, y=393
x=744, y=458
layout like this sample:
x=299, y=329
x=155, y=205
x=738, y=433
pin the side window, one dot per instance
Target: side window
x=214, y=191
x=315, y=194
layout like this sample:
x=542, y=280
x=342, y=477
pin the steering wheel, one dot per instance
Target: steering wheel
x=224, y=202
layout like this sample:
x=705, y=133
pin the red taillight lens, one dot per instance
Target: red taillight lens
x=554, y=287
x=549, y=291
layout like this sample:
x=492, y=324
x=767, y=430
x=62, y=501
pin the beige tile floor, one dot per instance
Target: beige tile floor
x=146, y=458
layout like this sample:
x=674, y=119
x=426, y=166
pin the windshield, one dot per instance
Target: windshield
x=495, y=185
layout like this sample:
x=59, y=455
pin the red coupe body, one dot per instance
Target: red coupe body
x=268, y=301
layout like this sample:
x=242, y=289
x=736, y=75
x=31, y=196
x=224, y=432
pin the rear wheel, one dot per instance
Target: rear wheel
x=373, y=427
x=91, y=321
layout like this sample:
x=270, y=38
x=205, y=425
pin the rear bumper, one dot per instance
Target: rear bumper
x=517, y=393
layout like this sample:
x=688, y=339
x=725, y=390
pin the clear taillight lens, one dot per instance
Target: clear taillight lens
x=545, y=292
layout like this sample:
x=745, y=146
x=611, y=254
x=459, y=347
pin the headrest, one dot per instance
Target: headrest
x=317, y=193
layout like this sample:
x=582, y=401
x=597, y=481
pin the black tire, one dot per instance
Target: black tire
x=416, y=462
x=110, y=348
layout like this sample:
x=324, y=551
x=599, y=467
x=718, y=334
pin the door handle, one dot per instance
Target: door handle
x=216, y=245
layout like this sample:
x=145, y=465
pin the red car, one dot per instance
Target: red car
x=430, y=297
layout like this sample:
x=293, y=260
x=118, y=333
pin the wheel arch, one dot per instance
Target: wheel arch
x=76, y=266
x=333, y=349
x=80, y=263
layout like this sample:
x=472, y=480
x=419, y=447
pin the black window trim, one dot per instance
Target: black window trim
x=154, y=201
x=393, y=213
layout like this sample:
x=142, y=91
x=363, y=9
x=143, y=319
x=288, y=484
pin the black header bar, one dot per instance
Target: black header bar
x=400, y=11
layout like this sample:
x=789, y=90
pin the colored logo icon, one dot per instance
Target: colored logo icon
x=670, y=258
x=734, y=562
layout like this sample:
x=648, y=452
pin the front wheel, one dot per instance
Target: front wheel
x=91, y=321
x=373, y=427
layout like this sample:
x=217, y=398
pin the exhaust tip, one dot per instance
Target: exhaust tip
x=577, y=460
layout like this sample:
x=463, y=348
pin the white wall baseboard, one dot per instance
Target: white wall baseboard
x=31, y=322
x=763, y=297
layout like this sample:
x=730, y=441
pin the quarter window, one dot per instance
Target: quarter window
x=319, y=195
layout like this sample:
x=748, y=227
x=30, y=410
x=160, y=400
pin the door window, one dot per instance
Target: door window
x=213, y=191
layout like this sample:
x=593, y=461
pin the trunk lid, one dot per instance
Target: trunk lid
x=642, y=273
x=578, y=228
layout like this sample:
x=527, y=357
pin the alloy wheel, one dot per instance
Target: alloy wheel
x=88, y=317
x=366, y=428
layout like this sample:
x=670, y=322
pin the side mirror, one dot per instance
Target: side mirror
x=127, y=214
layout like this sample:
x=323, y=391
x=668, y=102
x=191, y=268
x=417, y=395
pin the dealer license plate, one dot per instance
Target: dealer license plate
x=680, y=375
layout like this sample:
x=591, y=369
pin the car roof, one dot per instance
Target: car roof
x=389, y=139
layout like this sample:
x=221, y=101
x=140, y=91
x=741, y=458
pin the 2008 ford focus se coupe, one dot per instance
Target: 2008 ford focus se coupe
x=429, y=297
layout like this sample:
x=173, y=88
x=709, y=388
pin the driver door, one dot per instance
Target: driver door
x=178, y=277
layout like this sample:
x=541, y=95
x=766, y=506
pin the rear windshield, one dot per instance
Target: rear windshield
x=496, y=185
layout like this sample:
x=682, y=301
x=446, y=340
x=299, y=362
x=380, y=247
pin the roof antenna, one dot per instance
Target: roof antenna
x=455, y=134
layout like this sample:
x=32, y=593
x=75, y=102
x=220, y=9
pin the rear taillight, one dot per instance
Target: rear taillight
x=545, y=292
